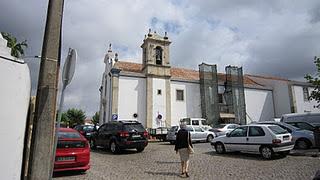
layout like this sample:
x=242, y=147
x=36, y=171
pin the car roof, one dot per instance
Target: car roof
x=67, y=130
x=124, y=122
x=300, y=114
x=259, y=125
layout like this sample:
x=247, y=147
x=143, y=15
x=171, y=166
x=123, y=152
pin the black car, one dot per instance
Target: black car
x=85, y=130
x=119, y=135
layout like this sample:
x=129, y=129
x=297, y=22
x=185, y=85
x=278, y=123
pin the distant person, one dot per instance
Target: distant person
x=183, y=140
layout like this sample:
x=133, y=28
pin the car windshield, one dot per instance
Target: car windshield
x=204, y=122
x=68, y=135
x=134, y=127
x=278, y=130
x=88, y=128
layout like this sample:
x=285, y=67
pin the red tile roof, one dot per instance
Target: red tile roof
x=267, y=77
x=179, y=73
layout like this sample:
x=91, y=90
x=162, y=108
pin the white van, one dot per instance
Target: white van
x=311, y=118
x=196, y=122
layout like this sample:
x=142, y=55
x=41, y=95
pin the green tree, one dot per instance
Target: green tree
x=315, y=94
x=75, y=116
x=95, y=118
x=17, y=48
x=64, y=119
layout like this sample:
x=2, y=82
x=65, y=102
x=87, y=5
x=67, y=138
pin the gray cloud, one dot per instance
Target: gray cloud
x=274, y=37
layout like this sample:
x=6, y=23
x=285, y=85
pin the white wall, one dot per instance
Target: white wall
x=14, y=95
x=280, y=94
x=190, y=106
x=159, y=102
x=301, y=105
x=132, y=98
x=259, y=105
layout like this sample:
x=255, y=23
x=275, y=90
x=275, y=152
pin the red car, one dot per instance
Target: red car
x=73, y=152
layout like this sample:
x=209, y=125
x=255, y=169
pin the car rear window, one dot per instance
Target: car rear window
x=278, y=130
x=69, y=135
x=134, y=127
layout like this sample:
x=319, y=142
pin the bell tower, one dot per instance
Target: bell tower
x=156, y=66
x=155, y=57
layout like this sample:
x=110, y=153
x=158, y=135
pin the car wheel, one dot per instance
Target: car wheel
x=301, y=144
x=209, y=138
x=266, y=152
x=220, y=148
x=140, y=149
x=172, y=142
x=114, y=147
x=93, y=144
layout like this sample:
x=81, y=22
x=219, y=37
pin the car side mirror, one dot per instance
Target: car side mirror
x=228, y=134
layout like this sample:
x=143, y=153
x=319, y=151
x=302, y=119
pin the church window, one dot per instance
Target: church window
x=158, y=55
x=159, y=92
x=180, y=95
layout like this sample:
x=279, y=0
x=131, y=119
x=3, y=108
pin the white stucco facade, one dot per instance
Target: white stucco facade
x=190, y=106
x=259, y=105
x=280, y=93
x=132, y=98
x=159, y=102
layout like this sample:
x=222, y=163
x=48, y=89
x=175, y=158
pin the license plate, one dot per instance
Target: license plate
x=285, y=139
x=66, y=158
x=136, y=136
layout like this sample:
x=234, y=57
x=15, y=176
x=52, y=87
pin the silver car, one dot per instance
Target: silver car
x=303, y=139
x=197, y=134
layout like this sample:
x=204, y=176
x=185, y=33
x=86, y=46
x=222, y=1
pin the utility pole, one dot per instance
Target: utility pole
x=42, y=143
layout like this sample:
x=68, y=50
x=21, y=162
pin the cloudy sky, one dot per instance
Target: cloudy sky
x=274, y=37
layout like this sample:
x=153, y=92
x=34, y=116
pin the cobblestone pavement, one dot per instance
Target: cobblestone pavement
x=159, y=161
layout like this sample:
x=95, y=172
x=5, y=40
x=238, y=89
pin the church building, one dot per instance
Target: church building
x=159, y=95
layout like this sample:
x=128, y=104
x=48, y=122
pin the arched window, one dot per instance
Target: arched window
x=158, y=55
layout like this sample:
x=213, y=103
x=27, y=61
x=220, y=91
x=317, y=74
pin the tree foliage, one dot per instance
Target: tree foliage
x=17, y=48
x=95, y=118
x=315, y=81
x=73, y=117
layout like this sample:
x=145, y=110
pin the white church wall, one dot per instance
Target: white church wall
x=280, y=94
x=132, y=98
x=302, y=105
x=190, y=106
x=259, y=105
x=159, y=102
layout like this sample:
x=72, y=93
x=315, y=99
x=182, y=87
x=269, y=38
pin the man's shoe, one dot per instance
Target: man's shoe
x=187, y=175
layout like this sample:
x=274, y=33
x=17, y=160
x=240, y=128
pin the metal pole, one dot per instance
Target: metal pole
x=42, y=143
x=58, y=125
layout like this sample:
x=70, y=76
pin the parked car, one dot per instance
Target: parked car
x=311, y=118
x=85, y=130
x=197, y=134
x=73, y=152
x=302, y=125
x=222, y=129
x=257, y=138
x=303, y=139
x=119, y=135
x=196, y=122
